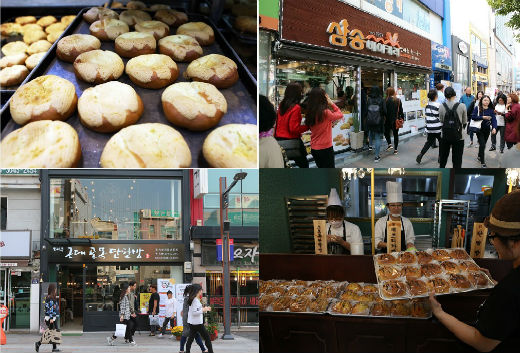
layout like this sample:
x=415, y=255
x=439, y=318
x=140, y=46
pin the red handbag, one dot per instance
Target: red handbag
x=398, y=122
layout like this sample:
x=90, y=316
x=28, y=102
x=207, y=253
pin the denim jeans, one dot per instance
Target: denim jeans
x=375, y=140
x=198, y=339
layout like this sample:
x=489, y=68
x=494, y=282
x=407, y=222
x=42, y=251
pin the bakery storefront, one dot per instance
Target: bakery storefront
x=103, y=228
x=338, y=47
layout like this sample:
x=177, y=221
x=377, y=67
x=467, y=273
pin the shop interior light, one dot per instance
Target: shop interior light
x=353, y=173
x=513, y=176
x=396, y=171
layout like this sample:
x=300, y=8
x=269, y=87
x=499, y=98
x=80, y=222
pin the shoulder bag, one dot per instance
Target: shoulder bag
x=398, y=122
x=475, y=125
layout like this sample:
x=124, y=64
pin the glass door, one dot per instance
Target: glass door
x=20, y=295
x=4, y=285
x=70, y=281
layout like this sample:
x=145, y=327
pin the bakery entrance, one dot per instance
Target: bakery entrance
x=371, y=76
x=70, y=290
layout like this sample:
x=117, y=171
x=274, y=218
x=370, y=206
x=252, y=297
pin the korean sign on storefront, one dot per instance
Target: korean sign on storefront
x=441, y=57
x=335, y=25
x=244, y=301
x=117, y=253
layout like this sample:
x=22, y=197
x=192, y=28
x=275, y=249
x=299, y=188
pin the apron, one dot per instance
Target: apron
x=336, y=249
x=403, y=235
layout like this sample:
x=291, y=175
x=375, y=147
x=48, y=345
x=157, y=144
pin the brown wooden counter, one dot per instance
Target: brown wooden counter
x=291, y=332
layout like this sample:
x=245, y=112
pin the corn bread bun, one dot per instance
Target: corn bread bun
x=41, y=144
x=39, y=47
x=55, y=27
x=30, y=37
x=31, y=27
x=132, y=17
x=33, y=60
x=68, y=19
x=216, y=69
x=13, y=75
x=52, y=37
x=136, y=5
x=23, y=20
x=146, y=146
x=97, y=13
x=156, y=28
x=246, y=24
x=180, y=47
x=199, y=30
x=171, y=17
x=108, y=29
x=232, y=146
x=152, y=70
x=46, y=97
x=70, y=47
x=46, y=21
x=109, y=107
x=193, y=105
x=133, y=44
x=12, y=48
x=10, y=28
x=98, y=66
x=158, y=7
x=11, y=60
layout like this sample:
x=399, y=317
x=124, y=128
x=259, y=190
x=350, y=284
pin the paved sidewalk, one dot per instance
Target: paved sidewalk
x=96, y=342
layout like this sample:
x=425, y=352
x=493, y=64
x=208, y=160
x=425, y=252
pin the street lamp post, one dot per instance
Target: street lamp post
x=224, y=234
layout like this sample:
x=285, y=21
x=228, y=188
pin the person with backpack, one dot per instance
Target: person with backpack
x=453, y=118
x=433, y=124
x=288, y=128
x=52, y=311
x=394, y=118
x=485, y=114
x=375, y=121
x=472, y=106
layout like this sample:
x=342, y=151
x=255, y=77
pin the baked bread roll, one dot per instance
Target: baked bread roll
x=431, y=270
x=10, y=28
x=469, y=266
x=152, y=71
x=97, y=13
x=385, y=259
x=56, y=27
x=133, y=44
x=387, y=272
x=70, y=47
x=417, y=287
x=132, y=17
x=247, y=24
x=393, y=288
x=158, y=7
x=342, y=307
x=232, y=146
x=478, y=279
x=30, y=37
x=441, y=255
x=202, y=32
x=459, y=254
x=33, y=60
x=400, y=308
x=423, y=257
x=356, y=287
x=180, y=47
x=300, y=304
x=13, y=48
x=13, y=75
x=52, y=37
x=31, y=27
x=171, y=17
x=459, y=281
x=136, y=5
x=46, y=97
x=406, y=258
x=23, y=20
x=156, y=28
x=365, y=297
x=360, y=309
x=450, y=267
x=46, y=21
x=109, y=107
x=370, y=288
x=39, y=47
x=146, y=146
x=319, y=305
x=420, y=308
x=41, y=144
x=410, y=272
x=195, y=106
x=11, y=60
x=108, y=29
x=380, y=309
x=68, y=19
x=282, y=303
x=216, y=69
x=438, y=285
x=98, y=66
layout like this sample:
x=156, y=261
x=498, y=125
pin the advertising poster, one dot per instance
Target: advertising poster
x=423, y=98
x=340, y=132
x=163, y=286
x=144, y=298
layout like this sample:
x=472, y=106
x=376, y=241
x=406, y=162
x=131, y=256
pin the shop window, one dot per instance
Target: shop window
x=3, y=223
x=409, y=87
x=115, y=209
x=462, y=76
x=416, y=15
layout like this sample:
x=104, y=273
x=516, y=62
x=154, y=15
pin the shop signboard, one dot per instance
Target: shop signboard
x=15, y=244
x=441, y=57
x=244, y=301
x=231, y=249
x=243, y=255
x=117, y=253
x=394, y=7
x=335, y=25
x=19, y=171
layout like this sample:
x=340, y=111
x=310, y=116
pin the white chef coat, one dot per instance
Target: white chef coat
x=352, y=233
x=406, y=225
x=170, y=307
x=195, y=313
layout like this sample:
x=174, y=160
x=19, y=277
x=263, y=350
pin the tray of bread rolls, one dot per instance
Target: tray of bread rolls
x=337, y=298
x=135, y=89
x=404, y=274
x=243, y=27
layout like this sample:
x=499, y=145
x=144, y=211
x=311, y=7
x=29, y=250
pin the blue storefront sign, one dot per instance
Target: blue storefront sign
x=395, y=7
x=441, y=58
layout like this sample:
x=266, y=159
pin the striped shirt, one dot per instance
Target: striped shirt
x=433, y=125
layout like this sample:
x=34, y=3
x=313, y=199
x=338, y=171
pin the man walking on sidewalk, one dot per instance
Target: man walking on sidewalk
x=453, y=117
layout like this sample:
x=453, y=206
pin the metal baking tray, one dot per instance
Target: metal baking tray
x=241, y=97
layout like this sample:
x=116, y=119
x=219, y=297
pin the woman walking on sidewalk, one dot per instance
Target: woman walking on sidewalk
x=486, y=114
x=433, y=124
x=512, y=121
x=500, y=113
x=124, y=316
x=186, y=327
x=195, y=318
x=471, y=108
x=375, y=120
x=393, y=111
x=320, y=116
x=51, y=315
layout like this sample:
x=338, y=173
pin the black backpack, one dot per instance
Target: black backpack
x=451, y=127
x=374, y=112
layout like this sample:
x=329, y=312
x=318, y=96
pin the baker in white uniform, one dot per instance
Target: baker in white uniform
x=340, y=233
x=394, y=203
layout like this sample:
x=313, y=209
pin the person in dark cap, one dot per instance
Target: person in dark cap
x=498, y=320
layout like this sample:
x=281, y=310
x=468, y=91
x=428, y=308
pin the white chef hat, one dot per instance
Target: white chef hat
x=394, y=192
x=334, y=198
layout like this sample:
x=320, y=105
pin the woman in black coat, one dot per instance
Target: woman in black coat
x=393, y=110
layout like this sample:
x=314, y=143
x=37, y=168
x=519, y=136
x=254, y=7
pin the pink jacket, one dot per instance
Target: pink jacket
x=512, y=121
x=321, y=133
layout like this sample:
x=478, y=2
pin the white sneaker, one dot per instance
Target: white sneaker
x=132, y=343
x=171, y=336
x=160, y=335
x=110, y=341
